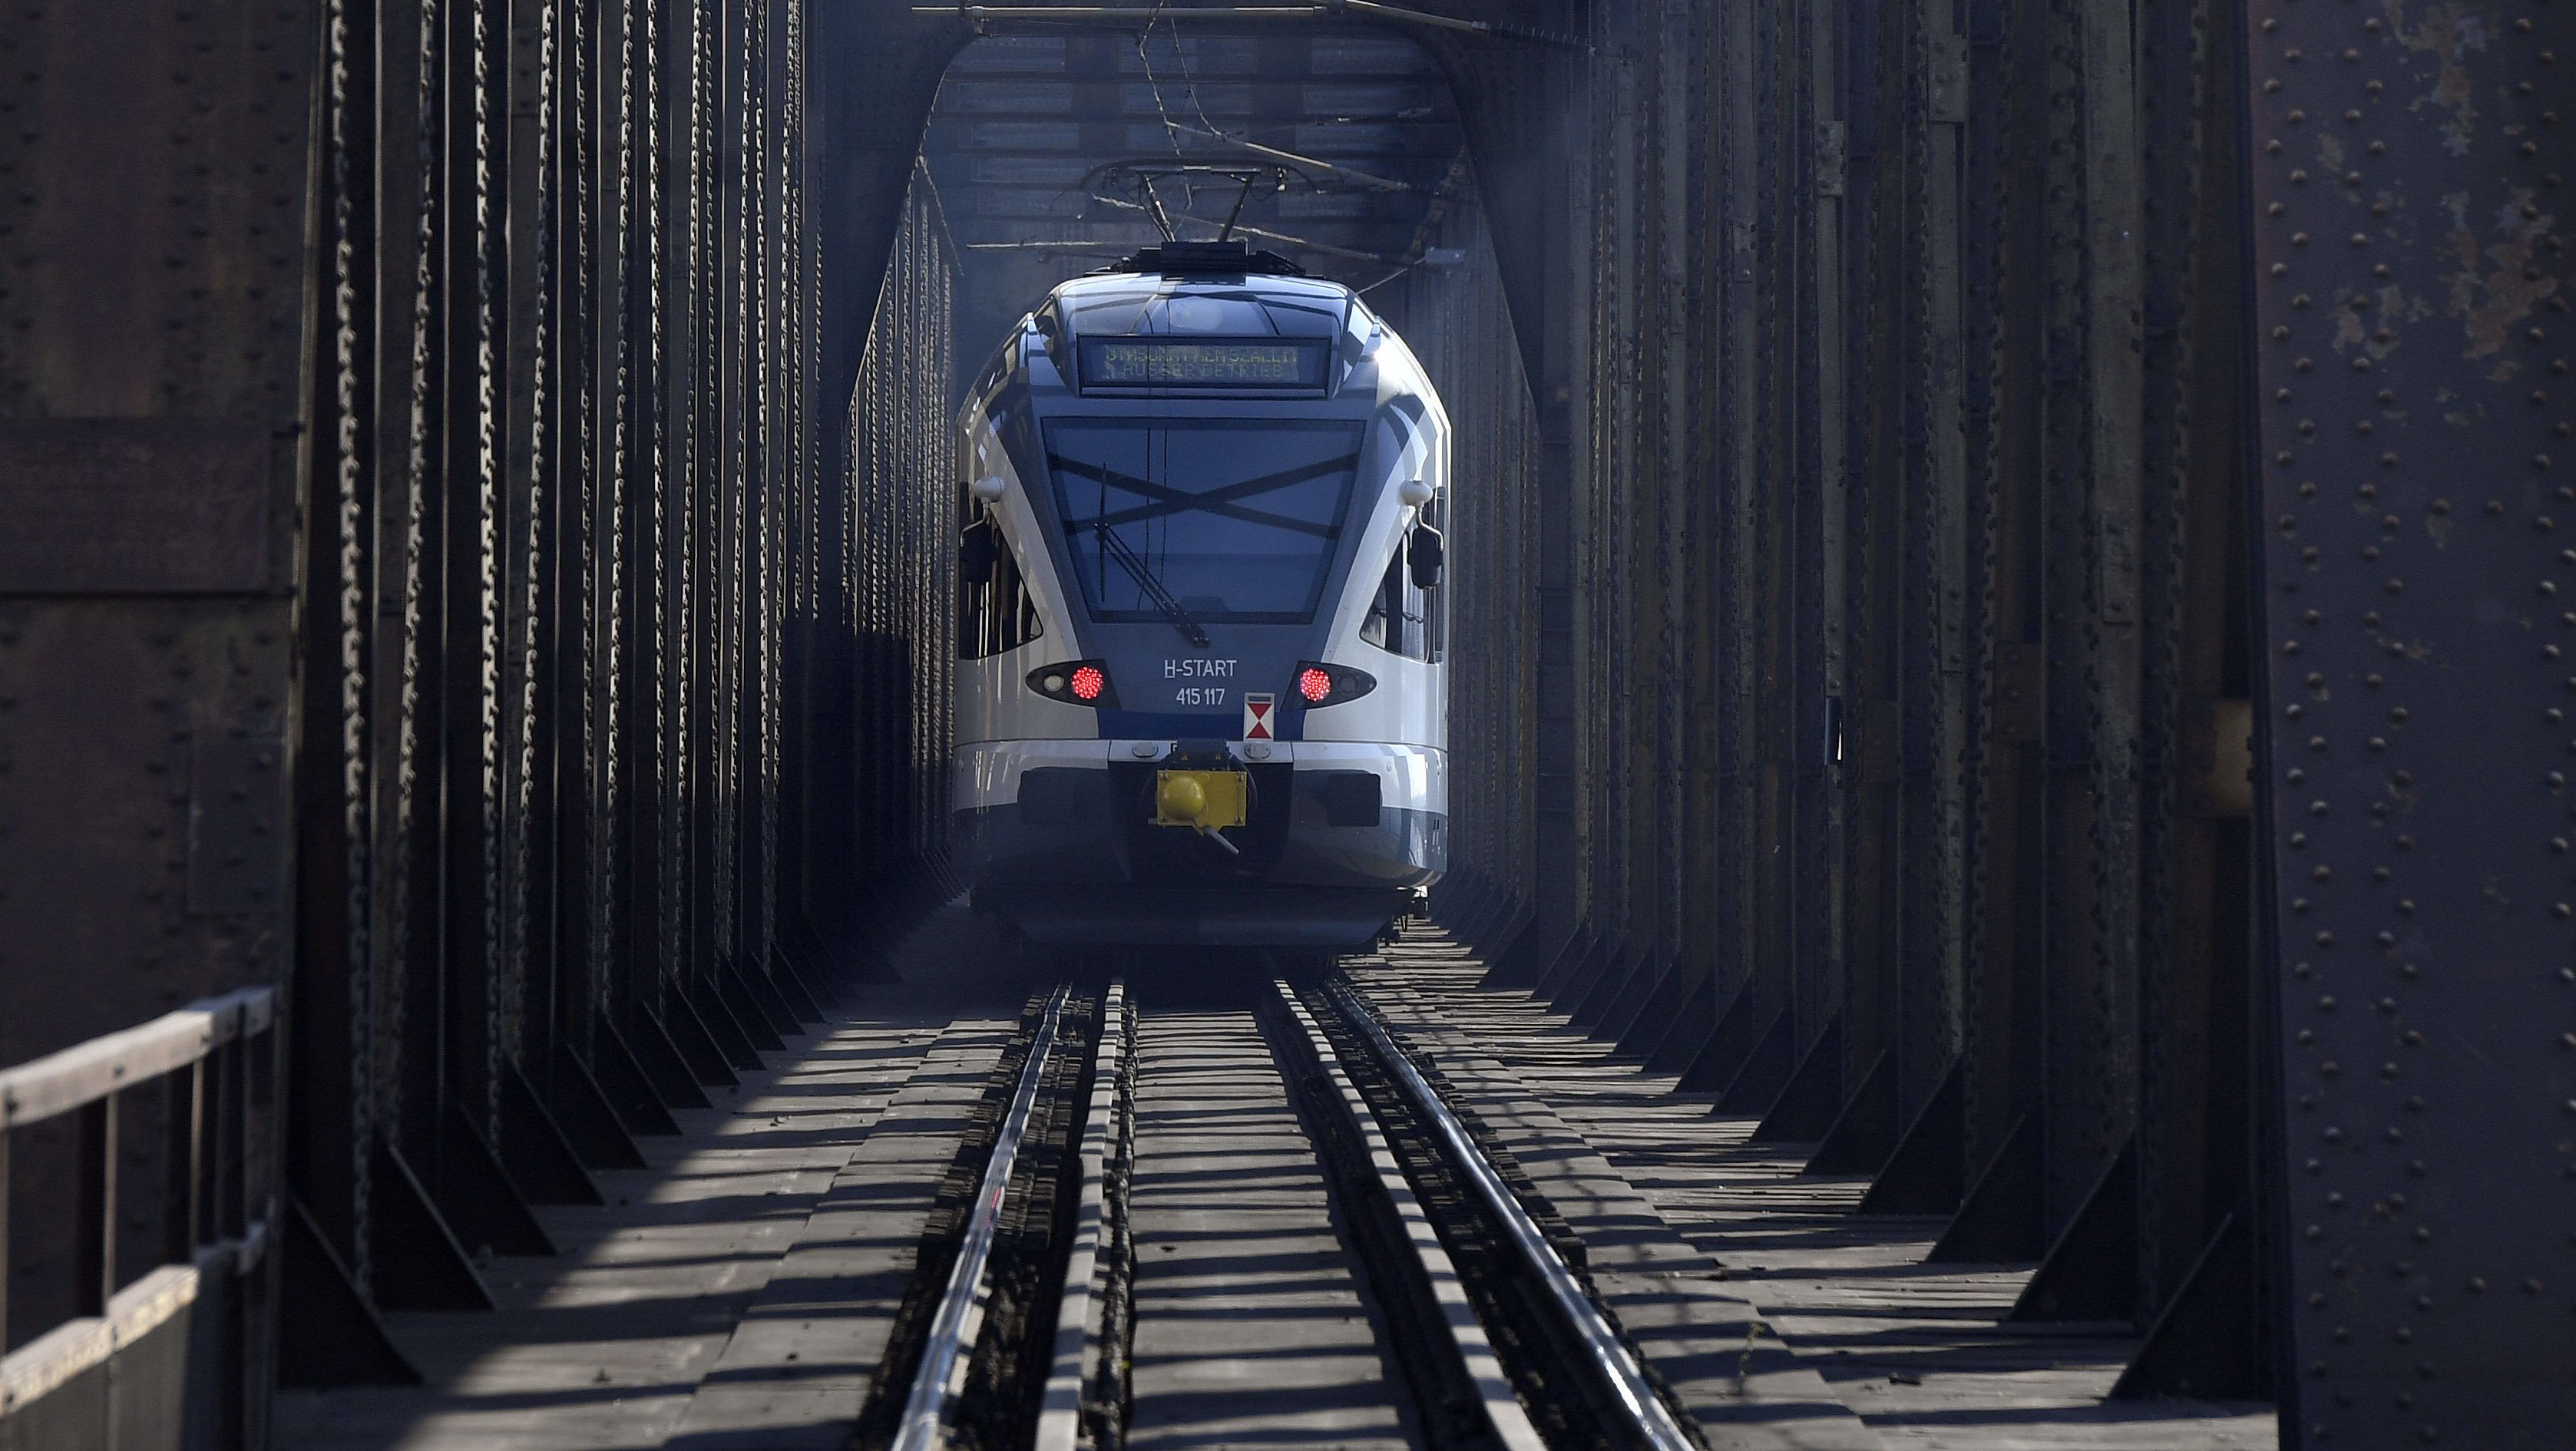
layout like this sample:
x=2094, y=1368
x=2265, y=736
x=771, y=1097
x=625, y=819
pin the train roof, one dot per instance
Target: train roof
x=1206, y=288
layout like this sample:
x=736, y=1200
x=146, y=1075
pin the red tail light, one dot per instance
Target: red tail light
x=1321, y=683
x=1076, y=682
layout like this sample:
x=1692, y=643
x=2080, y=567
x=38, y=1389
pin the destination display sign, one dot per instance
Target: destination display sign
x=1170, y=363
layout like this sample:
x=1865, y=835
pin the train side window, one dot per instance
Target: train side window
x=1403, y=618
x=1386, y=607
x=995, y=612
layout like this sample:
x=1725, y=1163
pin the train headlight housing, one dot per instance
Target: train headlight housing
x=1076, y=682
x=1318, y=684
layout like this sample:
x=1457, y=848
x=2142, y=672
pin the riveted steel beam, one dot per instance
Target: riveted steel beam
x=2407, y=172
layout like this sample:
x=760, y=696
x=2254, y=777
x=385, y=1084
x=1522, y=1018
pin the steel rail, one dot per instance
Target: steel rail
x=961, y=1305
x=1611, y=1358
x=1078, y=1308
x=1454, y=1310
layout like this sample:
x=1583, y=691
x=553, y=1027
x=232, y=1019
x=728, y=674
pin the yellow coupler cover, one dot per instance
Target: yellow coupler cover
x=1203, y=800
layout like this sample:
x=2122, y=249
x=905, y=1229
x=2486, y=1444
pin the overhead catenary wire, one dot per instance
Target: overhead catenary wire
x=1208, y=129
x=1153, y=203
x=1247, y=229
x=1286, y=166
x=1190, y=90
x=1333, y=169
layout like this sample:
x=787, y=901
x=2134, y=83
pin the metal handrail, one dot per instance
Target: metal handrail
x=87, y=1072
x=210, y=1224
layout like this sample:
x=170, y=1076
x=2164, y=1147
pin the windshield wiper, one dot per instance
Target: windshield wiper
x=1118, y=550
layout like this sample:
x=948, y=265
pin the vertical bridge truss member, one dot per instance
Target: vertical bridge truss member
x=2411, y=290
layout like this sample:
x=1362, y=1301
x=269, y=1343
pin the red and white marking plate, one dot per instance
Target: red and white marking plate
x=1260, y=713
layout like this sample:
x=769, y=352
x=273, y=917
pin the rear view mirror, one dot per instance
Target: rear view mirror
x=1425, y=555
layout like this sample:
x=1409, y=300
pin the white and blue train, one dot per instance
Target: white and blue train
x=1200, y=695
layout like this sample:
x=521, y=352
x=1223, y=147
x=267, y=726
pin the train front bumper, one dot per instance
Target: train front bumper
x=1078, y=841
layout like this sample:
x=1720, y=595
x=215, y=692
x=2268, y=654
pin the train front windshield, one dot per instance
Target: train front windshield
x=1221, y=521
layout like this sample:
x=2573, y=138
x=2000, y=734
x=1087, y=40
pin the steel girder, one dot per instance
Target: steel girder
x=545, y=449
x=2407, y=171
x=1888, y=471
x=491, y=479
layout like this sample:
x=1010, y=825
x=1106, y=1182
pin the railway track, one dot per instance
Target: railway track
x=1383, y=1260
